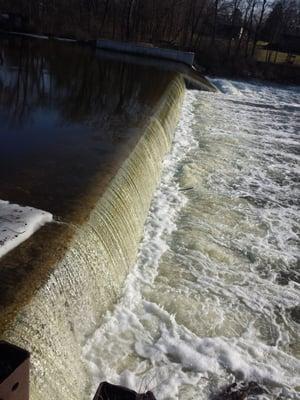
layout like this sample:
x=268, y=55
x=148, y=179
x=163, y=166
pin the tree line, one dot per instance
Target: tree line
x=217, y=28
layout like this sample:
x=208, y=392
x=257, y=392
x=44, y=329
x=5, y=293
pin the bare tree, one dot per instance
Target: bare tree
x=259, y=25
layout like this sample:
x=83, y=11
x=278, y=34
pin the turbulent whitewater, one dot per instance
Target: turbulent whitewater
x=214, y=296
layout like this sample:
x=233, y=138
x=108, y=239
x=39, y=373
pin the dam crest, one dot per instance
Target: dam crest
x=72, y=271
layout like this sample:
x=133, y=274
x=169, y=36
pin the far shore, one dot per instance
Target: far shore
x=207, y=63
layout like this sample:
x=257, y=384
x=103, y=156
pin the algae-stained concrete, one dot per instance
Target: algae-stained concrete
x=84, y=139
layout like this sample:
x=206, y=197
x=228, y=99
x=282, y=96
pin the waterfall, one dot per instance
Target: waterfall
x=87, y=280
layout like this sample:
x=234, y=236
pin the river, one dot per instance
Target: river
x=214, y=296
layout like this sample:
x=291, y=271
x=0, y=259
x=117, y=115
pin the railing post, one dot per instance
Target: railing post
x=14, y=372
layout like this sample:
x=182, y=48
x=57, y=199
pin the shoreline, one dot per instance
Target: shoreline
x=267, y=73
x=251, y=69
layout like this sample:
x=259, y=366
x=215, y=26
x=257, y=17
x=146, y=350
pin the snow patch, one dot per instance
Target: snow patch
x=18, y=223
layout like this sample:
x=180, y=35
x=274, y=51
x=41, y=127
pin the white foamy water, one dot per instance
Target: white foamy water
x=18, y=223
x=214, y=296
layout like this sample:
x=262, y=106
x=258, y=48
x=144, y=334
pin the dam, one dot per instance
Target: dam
x=82, y=138
x=161, y=258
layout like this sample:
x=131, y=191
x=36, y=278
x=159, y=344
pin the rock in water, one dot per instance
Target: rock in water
x=240, y=391
x=107, y=391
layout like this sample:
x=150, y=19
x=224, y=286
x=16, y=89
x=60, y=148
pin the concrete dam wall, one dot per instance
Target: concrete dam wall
x=96, y=178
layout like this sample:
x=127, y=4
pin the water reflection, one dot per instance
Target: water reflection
x=65, y=116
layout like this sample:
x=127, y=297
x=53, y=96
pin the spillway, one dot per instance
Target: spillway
x=214, y=296
x=83, y=139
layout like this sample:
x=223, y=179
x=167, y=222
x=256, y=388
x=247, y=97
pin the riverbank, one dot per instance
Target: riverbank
x=207, y=62
x=241, y=69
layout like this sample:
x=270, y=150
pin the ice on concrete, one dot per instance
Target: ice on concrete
x=18, y=223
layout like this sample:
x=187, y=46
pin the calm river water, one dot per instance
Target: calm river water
x=214, y=296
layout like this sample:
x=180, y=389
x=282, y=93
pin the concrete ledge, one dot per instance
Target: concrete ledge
x=147, y=50
x=193, y=78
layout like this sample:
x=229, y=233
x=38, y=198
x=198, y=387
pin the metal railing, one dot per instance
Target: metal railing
x=14, y=378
